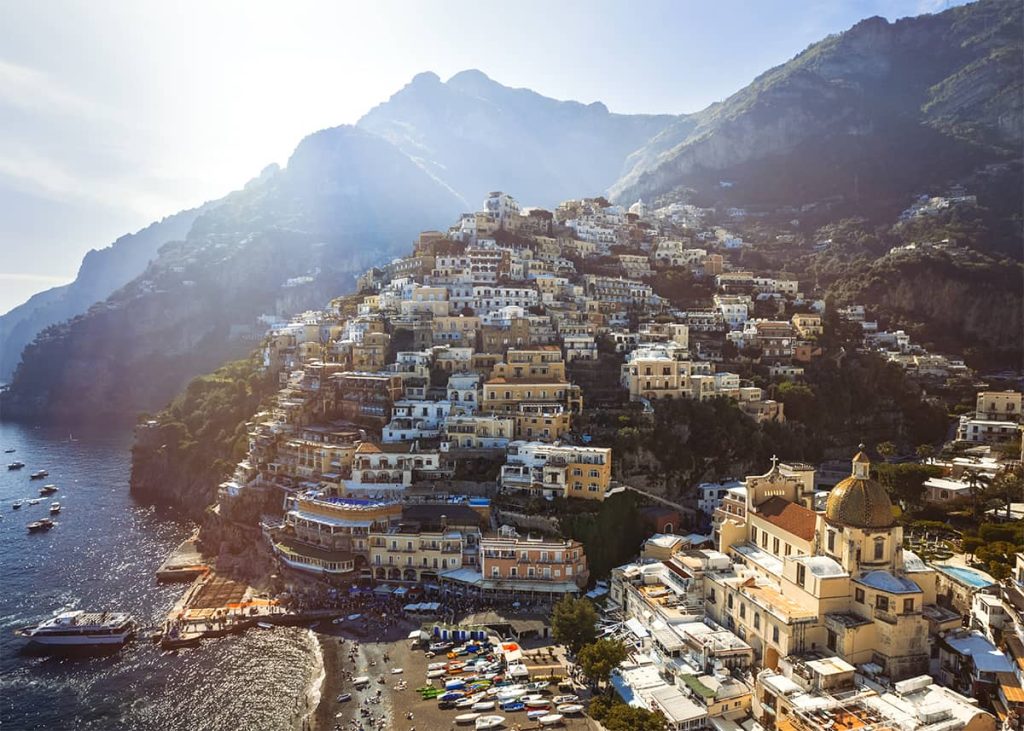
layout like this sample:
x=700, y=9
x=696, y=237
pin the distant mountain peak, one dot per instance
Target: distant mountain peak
x=425, y=78
x=470, y=76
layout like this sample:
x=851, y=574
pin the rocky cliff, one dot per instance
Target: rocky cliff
x=290, y=240
x=878, y=111
x=102, y=272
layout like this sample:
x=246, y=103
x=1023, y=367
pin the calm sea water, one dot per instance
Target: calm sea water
x=102, y=555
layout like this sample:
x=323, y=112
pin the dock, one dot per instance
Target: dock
x=184, y=564
x=214, y=606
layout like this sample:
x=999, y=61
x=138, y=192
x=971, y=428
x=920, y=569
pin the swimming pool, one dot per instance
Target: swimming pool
x=967, y=576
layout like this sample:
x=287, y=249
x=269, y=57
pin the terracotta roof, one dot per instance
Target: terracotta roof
x=790, y=517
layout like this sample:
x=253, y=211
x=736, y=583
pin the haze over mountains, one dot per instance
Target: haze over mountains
x=867, y=118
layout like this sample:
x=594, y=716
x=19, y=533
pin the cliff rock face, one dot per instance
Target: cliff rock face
x=873, y=111
x=475, y=135
x=292, y=239
x=102, y=272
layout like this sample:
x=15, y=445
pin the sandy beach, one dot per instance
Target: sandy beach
x=365, y=656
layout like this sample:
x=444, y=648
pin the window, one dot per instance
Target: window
x=830, y=642
x=789, y=549
x=764, y=539
x=757, y=620
x=908, y=606
x=753, y=535
x=801, y=574
x=775, y=546
x=743, y=611
x=775, y=634
x=882, y=602
x=858, y=596
x=832, y=541
x=728, y=601
x=879, y=548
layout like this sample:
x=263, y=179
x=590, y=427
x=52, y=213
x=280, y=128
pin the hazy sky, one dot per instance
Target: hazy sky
x=117, y=113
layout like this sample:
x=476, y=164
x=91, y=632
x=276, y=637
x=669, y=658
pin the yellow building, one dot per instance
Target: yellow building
x=808, y=326
x=838, y=581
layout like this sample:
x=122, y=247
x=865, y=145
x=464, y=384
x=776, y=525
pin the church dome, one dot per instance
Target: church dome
x=859, y=501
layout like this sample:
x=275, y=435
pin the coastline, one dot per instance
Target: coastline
x=314, y=692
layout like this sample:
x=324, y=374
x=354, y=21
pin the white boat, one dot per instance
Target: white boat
x=534, y=715
x=536, y=702
x=512, y=691
x=80, y=628
x=438, y=673
x=35, y=501
x=397, y=671
x=467, y=717
x=483, y=706
x=569, y=709
x=465, y=703
x=436, y=666
x=538, y=685
x=361, y=681
x=17, y=504
x=489, y=721
x=54, y=508
x=552, y=719
x=569, y=698
x=265, y=625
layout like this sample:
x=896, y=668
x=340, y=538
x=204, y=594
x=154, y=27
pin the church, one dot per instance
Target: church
x=832, y=582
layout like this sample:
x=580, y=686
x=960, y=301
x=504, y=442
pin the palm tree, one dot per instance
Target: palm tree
x=1007, y=488
x=977, y=483
x=924, y=451
x=886, y=449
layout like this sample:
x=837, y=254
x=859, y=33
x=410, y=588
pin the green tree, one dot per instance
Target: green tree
x=622, y=717
x=925, y=451
x=977, y=483
x=1007, y=488
x=600, y=657
x=905, y=482
x=886, y=449
x=574, y=622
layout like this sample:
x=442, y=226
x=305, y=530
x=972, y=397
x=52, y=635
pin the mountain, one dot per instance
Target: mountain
x=868, y=116
x=475, y=135
x=290, y=240
x=100, y=274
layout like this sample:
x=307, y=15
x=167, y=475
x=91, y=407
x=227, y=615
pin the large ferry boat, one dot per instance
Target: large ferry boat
x=81, y=628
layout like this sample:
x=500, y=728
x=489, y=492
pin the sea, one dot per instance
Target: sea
x=102, y=555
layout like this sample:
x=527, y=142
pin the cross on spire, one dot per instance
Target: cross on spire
x=775, y=461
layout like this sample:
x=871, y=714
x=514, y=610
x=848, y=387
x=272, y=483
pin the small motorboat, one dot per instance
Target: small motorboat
x=552, y=719
x=436, y=666
x=538, y=685
x=534, y=715
x=361, y=682
x=436, y=673
x=467, y=718
x=47, y=489
x=35, y=501
x=38, y=475
x=569, y=709
x=353, y=617
x=483, y=706
x=17, y=504
x=397, y=671
x=9, y=451
x=40, y=525
x=54, y=508
x=570, y=698
x=344, y=698
x=265, y=625
x=513, y=706
x=466, y=703
x=537, y=702
x=15, y=465
x=489, y=722
x=337, y=620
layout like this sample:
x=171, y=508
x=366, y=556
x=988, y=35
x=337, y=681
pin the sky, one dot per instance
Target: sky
x=114, y=114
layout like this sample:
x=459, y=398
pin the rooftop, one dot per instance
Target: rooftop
x=790, y=517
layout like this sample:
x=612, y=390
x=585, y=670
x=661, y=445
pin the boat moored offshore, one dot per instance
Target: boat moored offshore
x=81, y=628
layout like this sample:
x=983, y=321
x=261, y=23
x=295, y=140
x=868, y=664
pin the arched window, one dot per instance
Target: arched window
x=879, y=548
